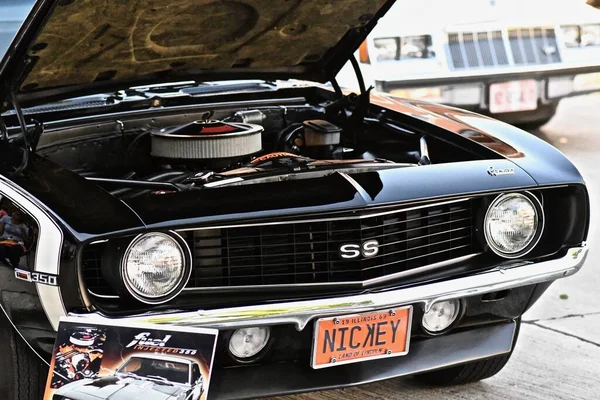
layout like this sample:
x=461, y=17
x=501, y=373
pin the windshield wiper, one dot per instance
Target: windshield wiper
x=131, y=374
x=210, y=88
x=76, y=103
x=138, y=94
x=160, y=378
x=192, y=88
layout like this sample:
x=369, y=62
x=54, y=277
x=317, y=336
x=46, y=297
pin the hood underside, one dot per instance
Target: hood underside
x=90, y=43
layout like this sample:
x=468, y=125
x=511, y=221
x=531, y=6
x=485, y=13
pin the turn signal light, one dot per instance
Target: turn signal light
x=441, y=315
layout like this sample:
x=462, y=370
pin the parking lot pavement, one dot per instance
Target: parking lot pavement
x=576, y=131
x=558, y=351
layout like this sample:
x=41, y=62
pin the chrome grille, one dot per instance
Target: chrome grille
x=479, y=49
x=528, y=46
x=309, y=252
x=91, y=264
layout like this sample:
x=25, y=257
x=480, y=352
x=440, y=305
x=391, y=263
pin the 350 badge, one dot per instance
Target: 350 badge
x=36, y=277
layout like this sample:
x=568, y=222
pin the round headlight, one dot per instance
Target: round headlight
x=154, y=268
x=513, y=225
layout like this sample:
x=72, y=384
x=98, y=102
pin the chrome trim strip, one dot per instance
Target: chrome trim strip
x=47, y=255
x=223, y=182
x=368, y=282
x=559, y=68
x=424, y=150
x=361, y=190
x=103, y=296
x=98, y=241
x=300, y=313
x=363, y=216
x=418, y=270
x=452, y=199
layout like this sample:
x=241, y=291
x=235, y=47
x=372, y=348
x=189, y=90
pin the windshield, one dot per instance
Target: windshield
x=12, y=14
x=156, y=369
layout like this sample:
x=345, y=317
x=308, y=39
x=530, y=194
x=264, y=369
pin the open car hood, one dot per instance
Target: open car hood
x=74, y=47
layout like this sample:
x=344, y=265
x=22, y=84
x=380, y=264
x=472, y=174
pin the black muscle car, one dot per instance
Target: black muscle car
x=148, y=377
x=195, y=163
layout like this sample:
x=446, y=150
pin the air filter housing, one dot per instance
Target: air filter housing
x=207, y=140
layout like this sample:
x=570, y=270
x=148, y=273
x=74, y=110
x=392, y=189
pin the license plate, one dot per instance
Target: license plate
x=361, y=337
x=513, y=96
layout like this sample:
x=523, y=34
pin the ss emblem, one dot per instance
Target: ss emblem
x=370, y=248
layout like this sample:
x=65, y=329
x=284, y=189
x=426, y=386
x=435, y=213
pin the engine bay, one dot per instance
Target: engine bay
x=225, y=147
x=228, y=153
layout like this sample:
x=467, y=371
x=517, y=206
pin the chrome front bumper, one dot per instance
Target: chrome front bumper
x=300, y=313
x=268, y=380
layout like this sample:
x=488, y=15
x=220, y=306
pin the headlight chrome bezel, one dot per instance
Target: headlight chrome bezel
x=579, y=33
x=589, y=30
x=424, y=49
x=400, y=44
x=533, y=242
x=378, y=46
x=177, y=289
x=571, y=32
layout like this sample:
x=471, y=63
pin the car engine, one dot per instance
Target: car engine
x=217, y=148
x=226, y=153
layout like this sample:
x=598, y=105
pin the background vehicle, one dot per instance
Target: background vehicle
x=508, y=58
x=12, y=14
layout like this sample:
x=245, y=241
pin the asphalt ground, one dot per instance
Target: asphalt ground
x=558, y=351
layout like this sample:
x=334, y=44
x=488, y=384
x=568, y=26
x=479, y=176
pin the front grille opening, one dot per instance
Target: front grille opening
x=528, y=46
x=299, y=253
x=91, y=270
x=477, y=49
x=309, y=252
x=533, y=45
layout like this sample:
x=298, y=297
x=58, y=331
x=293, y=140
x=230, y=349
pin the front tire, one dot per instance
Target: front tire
x=467, y=373
x=22, y=373
x=470, y=372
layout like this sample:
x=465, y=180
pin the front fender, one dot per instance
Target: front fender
x=543, y=162
x=29, y=298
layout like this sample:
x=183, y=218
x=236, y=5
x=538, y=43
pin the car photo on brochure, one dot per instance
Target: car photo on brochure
x=151, y=376
x=193, y=205
x=133, y=361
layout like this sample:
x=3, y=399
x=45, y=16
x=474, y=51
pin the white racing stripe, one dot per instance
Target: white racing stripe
x=47, y=255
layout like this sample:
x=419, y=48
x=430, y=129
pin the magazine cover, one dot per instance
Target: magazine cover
x=130, y=361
